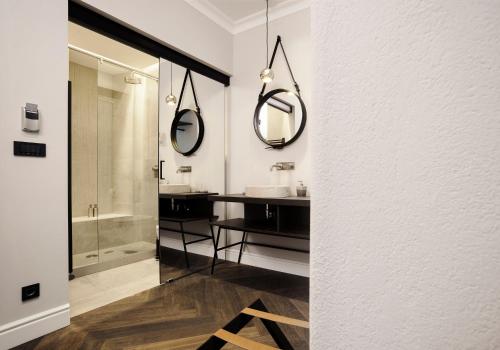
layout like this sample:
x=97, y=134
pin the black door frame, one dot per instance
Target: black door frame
x=88, y=17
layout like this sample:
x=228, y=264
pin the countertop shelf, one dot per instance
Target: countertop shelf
x=186, y=195
x=240, y=224
x=186, y=219
x=241, y=198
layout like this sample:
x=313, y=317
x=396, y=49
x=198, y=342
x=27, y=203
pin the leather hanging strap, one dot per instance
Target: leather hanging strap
x=279, y=43
x=188, y=74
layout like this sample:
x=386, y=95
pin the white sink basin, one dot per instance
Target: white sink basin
x=267, y=191
x=174, y=188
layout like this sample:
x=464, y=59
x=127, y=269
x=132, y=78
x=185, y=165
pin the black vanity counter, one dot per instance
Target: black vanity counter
x=241, y=198
x=184, y=207
x=186, y=195
x=287, y=217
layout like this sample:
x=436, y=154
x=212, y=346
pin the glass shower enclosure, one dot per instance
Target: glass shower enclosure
x=114, y=155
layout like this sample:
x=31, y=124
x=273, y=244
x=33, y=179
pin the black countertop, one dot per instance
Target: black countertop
x=186, y=195
x=241, y=198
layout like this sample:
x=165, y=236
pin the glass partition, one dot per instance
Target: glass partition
x=114, y=151
x=186, y=244
x=83, y=72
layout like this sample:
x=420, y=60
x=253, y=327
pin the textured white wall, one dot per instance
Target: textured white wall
x=406, y=184
x=248, y=159
x=176, y=23
x=33, y=191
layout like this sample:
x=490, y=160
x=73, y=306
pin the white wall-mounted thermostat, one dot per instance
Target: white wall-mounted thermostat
x=31, y=118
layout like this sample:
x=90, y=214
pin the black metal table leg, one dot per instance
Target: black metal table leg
x=184, y=244
x=243, y=240
x=215, y=251
x=213, y=241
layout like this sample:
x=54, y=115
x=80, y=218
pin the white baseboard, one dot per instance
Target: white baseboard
x=271, y=263
x=263, y=261
x=34, y=326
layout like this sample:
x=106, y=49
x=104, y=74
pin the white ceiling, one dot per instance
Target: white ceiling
x=238, y=9
x=104, y=46
x=239, y=15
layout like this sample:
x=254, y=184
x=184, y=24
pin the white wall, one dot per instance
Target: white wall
x=248, y=159
x=406, y=192
x=33, y=200
x=177, y=24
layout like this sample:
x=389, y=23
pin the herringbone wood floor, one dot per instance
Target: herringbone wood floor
x=182, y=315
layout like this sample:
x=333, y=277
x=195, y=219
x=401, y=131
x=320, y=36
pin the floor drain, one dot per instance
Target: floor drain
x=92, y=256
x=130, y=251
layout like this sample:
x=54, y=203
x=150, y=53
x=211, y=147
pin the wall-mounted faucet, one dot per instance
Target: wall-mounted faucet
x=184, y=169
x=283, y=166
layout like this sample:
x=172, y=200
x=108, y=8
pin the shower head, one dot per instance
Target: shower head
x=131, y=78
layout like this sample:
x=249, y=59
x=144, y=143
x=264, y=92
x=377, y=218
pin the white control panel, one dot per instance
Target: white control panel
x=31, y=118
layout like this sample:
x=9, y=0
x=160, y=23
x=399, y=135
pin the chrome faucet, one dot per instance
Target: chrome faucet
x=184, y=169
x=283, y=166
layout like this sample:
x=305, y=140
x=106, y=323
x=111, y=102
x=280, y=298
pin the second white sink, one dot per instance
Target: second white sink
x=174, y=188
x=268, y=191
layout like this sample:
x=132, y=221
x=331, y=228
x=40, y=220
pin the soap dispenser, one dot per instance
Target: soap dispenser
x=301, y=190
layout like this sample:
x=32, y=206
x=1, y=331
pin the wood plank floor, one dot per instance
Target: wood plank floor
x=183, y=314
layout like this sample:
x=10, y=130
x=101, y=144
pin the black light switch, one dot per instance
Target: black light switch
x=29, y=149
x=30, y=292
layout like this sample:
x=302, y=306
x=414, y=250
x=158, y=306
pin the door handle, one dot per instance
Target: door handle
x=161, y=170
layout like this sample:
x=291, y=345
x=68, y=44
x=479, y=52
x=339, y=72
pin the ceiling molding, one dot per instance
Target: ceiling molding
x=251, y=21
x=208, y=9
x=259, y=18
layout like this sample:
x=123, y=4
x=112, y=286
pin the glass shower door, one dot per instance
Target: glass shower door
x=84, y=180
x=127, y=148
x=114, y=173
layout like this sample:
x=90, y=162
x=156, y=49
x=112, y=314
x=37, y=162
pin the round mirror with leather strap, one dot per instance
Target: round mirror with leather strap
x=187, y=129
x=280, y=115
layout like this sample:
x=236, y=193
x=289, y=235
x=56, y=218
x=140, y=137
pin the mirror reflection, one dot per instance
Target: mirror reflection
x=191, y=168
x=187, y=130
x=280, y=118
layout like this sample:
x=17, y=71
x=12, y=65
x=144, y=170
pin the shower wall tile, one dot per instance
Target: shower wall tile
x=105, y=149
x=115, y=140
x=85, y=238
x=84, y=137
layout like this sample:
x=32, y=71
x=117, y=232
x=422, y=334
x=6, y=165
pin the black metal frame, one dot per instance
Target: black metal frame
x=178, y=116
x=240, y=321
x=263, y=98
x=261, y=103
x=244, y=242
x=70, y=197
x=92, y=19
x=280, y=100
x=186, y=243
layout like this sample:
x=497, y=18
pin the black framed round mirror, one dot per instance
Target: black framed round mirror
x=280, y=118
x=186, y=132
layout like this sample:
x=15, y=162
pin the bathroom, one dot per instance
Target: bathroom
x=259, y=174
x=114, y=123
x=161, y=187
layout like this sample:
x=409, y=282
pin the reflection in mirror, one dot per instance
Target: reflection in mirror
x=279, y=118
x=187, y=131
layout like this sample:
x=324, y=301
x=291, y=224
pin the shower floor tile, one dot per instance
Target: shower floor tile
x=112, y=253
